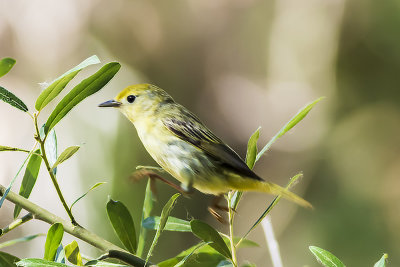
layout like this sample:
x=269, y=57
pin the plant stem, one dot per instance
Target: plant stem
x=231, y=214
x=16, y=223
x=50, y=171
x=41, y=214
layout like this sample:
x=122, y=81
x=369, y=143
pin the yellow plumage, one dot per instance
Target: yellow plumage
x=182, y=145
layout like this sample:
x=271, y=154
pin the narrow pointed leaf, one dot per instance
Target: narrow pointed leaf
x=51, y=149
x=250, y=161
x=13, y=180
x=79, y=198
x=173, y=224
x=292, y=181
x=59, y=84
x=252, y=149
x=325, y=257
x=84, y=89
x=18, y=240
x=163, y=221
x=7, y=148
x=98, y=263
x=29, y=180
x=6, y=65
x=31, y=262
x=382, y=261
x=53, y=241
x=293, y=121
x=7, y=260
x=12, y=99
x=72, y=253
x=122, y=223
x=66, y=154
x=208, y=234
x=147, y=208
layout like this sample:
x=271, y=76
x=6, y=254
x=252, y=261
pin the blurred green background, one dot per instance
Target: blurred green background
x=238, y=64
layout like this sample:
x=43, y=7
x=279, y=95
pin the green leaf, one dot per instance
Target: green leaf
x=59, y=84
x=208, y=234
x=173, y=224
x=382, y=261
x=18, y=240
x=147, y=208
x=293, y=121
x=252, y=149
x=225, y=263
x=51, y=149
x=325, y=257
x=7, y=260
x=13, y=180
x=53, y=240
x=31, y=262
x=79, y=198
x=7, y=148
x=72, y=253
x=66, y=154
x=84, y=89
x=98, y=263
x=292, y=181
x=163, y=221
x=12, y=99
x=6, y=65
x=29, y=180
x=122, y=223
x=199, y=255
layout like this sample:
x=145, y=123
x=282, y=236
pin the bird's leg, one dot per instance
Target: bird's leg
x=140, y=174
x=215, y=206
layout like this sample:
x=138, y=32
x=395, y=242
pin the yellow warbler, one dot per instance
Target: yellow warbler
x=183, y=146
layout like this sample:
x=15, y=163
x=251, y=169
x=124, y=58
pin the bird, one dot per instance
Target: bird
x=185, y=148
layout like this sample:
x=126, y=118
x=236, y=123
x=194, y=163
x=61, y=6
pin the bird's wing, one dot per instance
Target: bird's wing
x=194, y=132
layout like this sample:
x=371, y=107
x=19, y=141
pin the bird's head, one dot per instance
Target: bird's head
x=140, y=100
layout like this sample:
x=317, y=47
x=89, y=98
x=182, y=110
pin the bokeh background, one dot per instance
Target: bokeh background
x=238, y=64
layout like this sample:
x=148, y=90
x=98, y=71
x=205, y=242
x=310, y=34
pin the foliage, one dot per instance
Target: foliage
x=214, y=248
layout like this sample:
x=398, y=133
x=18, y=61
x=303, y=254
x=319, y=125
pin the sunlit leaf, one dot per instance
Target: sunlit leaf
x=79, y=198
x=122, y=223
x=325, y=257
x=173, y=224
x=84, y=89
x=6, y=65
x=66, y=154
x=252, y=148
x=31, y=262
x=12, y=99
x=7, y=260
x=382, y=261
x=53, y=240
x=72, y=253
x=208, y=234
x=18, y=240
x=51, y=149
x=163, y=221
x=29, y=180
x=147, y=208
x=59, y=84
x=293, y=121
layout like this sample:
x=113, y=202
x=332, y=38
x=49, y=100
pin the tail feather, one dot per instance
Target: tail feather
x=270, y=188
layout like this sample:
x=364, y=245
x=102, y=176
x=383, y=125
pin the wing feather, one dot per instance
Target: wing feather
x=196, y=133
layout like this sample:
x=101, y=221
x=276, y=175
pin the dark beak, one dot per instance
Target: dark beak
x=110, y=103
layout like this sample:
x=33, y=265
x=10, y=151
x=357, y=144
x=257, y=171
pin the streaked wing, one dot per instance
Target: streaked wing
x=200, y=136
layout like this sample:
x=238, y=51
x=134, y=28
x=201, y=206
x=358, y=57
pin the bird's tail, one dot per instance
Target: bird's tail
x=270, y=188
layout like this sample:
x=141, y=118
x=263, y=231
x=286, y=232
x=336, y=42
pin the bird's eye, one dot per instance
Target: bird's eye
x=131, y=98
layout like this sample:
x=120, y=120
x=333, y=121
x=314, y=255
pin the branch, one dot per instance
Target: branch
x=43, y=215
